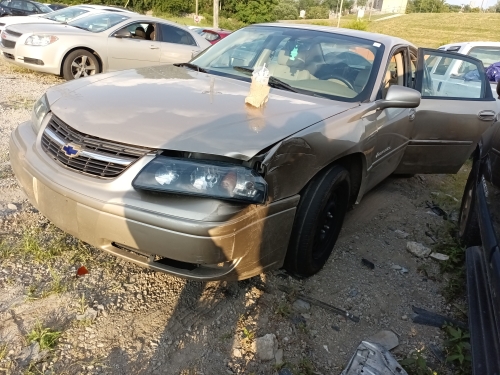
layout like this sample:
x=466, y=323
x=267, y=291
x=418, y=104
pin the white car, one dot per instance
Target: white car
x=455, y=73
x=59, y=16
x=99, y=43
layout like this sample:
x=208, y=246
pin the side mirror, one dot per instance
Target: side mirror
x=400, y=97
x=123, y=33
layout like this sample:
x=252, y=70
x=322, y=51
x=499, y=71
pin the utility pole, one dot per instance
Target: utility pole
x=340, y=13
x=196, y=11
x=216, y=14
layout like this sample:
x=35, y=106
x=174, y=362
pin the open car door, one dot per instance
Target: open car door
x=453, y=113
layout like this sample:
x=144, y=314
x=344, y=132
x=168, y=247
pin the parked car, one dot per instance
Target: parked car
x=211, y=34
x=487, y=52
x=167, y=166
x=99, y=43
x=22, y=8
x=480, y=231
x=56, y=6
x=60, y=16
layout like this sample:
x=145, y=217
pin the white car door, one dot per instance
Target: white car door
x=177, y=45
x=133, y=50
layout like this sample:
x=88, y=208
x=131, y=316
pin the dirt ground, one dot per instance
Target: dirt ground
x=121, y=319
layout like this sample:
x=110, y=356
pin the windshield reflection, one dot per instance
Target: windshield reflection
x=313, y=62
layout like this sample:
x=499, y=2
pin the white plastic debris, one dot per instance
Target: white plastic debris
x=259, y=89
x=373, y=359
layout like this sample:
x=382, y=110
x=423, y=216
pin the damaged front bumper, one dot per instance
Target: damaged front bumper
x=196, y=238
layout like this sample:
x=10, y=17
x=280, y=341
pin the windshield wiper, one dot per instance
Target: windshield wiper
x=192, y=66
x=273, y=81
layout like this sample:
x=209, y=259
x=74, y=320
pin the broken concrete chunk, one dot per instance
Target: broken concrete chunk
x=279, y=357
x=418, y=249
x=388, y=339
x=265, y=347
x=439, y=256
x=12, y=207
x=89, y=314
x=401, y=234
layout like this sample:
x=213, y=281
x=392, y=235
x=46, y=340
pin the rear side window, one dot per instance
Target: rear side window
x=171, y=34
x=209, y=36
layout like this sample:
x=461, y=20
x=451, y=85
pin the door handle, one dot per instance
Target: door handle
x=487, y=115
x=411, y=114
x=154, y=47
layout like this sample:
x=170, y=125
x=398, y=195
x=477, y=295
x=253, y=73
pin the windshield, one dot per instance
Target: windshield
x=66, y=14
x=312, y=62
x=488, y=55
x=44, y=8
x=98, y=22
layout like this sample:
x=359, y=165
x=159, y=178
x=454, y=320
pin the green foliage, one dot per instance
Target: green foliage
x=427, y=6
x=357, y=25
x=416, y=364
x=458, y=349
x=362, y=3
x=318, y=12
x=335, y=4
x=256, y=11
x=230, y=24
x=46, y=338
x=285, y=10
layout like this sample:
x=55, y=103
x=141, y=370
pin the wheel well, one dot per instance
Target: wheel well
x=99, y=60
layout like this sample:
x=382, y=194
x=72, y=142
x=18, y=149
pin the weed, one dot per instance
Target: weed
x=248, y=335
x=416, y=364
x=357, y=25
x=31, y=292
x=3, y=351
x=284, y=310
x=46, y=337
x=82, y=304
x=56, y=286
x=5, y=250
x=305, y=367
x=458, y=349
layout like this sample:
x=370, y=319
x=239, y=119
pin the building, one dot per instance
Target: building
x=390, y=6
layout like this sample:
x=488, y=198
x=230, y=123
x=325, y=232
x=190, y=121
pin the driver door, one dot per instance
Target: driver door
x=452, y=115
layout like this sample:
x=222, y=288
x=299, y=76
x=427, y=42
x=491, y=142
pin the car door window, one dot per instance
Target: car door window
x=395, y=72
x=17, y=5
x=30, y=7
x=210, y=36
x=172, y=34
x=141, y=30
x=467, y=84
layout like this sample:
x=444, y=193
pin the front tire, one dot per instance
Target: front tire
x=468, y=225
x=318, y=221
x=78, y=64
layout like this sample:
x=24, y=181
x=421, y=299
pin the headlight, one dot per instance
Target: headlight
x=40, y=109
x=204, y=178
x=40, y=40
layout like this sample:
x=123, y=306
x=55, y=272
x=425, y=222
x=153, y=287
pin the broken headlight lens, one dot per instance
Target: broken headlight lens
x=203, y=178
x=40, y=110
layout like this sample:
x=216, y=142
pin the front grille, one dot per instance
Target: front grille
x=97, y=157
x=9, y=55
x=13, y=33
x=8, y=43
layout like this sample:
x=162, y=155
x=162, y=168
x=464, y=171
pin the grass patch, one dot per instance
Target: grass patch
x=416, y=364
x=435, y=29
x=45, y=337
x=3, y=351
x=34, y=244
x=458, y=350
x=357, y=25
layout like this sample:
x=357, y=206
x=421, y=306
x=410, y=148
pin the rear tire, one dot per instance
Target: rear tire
x=78, y=64
x=318, y=221
x=468, y=225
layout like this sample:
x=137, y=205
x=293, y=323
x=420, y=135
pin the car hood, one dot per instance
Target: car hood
x=174, y=108
x=50, y=27
x=21, y=19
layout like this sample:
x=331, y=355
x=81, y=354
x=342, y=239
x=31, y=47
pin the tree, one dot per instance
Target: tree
x=427, y=6
x=361, y=3
x=335, y=4
x=256, y=11
x=286, y=10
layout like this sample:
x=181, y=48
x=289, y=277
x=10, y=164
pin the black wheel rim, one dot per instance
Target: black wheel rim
x=330, y=222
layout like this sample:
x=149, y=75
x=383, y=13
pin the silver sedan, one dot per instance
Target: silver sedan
x=99, y=43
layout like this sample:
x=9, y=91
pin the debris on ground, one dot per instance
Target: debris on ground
x=81, y=271
x=373, y=359
x=401, y=234
x=265, y=347
x=326, y=306
x=387, y=339
x=367, y=263
x=439, y=256
x=89, y=314
x=301, y=306
x=437, y=210
x=418, y=249
x=433, y=319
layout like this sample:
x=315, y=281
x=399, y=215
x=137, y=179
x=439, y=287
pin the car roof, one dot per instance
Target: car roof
x=386, y=40
x=102, y=7
x=137, y=16
x=472, y=44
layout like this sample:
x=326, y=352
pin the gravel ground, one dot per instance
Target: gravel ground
x=121, y=319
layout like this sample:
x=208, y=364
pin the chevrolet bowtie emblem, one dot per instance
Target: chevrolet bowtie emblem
x=71, y=150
